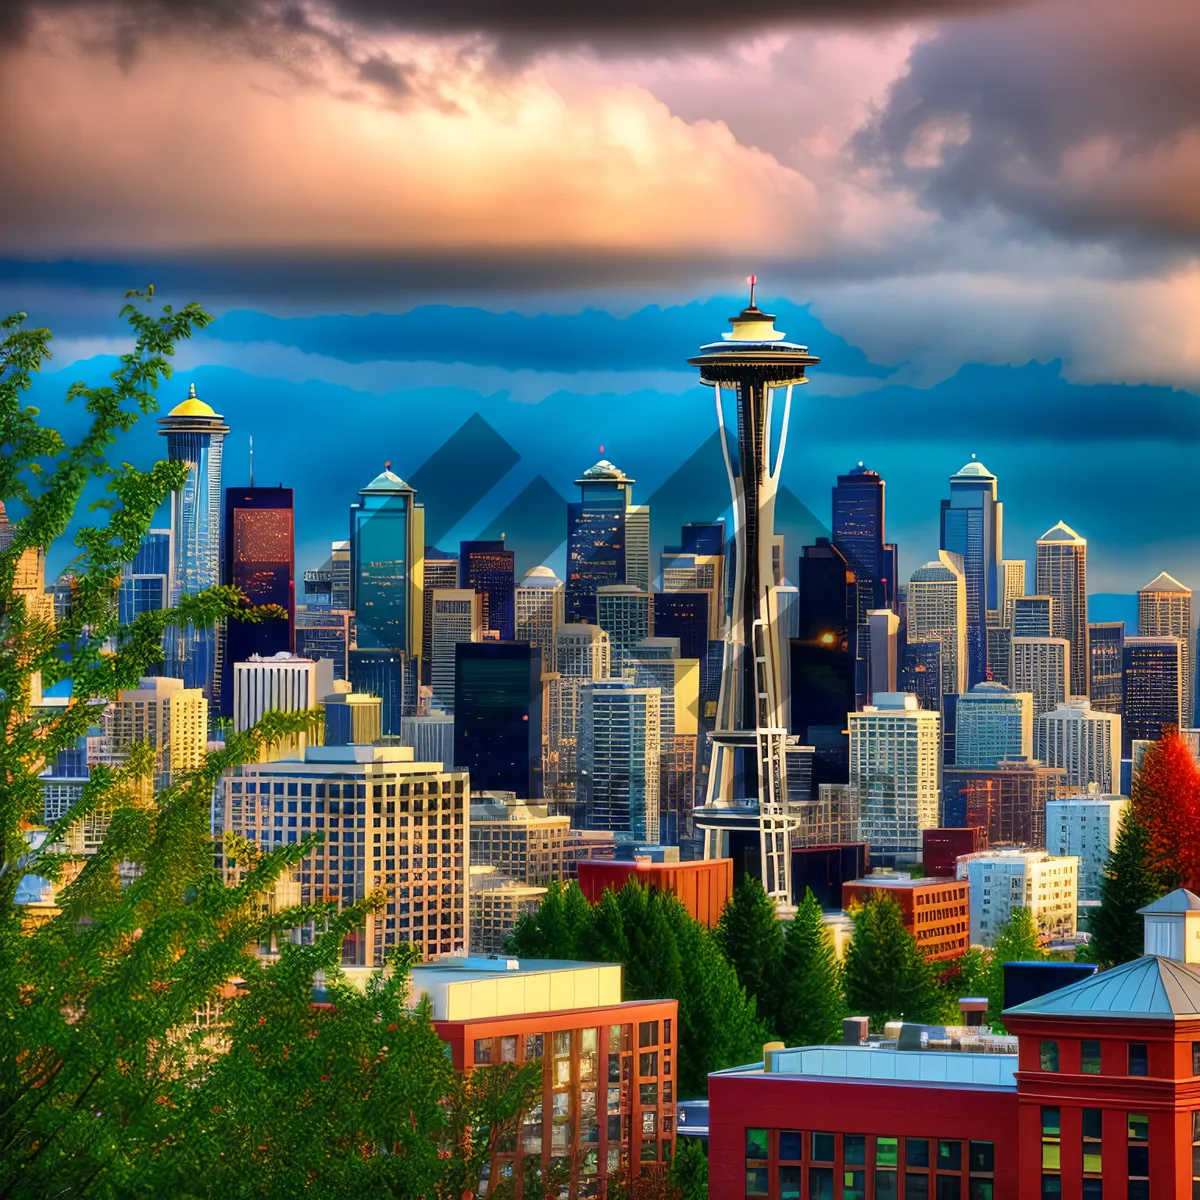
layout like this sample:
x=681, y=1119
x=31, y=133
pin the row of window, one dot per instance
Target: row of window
x=1137, y=1057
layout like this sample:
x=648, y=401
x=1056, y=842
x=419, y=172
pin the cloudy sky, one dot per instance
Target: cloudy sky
x=983, y=216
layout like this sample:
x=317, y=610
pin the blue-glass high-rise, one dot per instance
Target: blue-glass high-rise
x=972, y=525
x=491, y=570
x=596, y=538
x=858, y=532
x=146, y=582
x=195, y=435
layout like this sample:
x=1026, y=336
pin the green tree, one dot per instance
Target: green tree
x=1016, y=940
x=809, y=1004
x=689, y=1171
x=887, y=977
x=147, y=1048
x=1129, y=883
x=751, y=938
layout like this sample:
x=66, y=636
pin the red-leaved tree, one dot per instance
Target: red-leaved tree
x=1166, y=800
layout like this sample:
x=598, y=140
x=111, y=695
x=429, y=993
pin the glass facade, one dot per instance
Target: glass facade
x=491, y=571
x=381, y=568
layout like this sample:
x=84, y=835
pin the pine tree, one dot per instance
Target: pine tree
x=751, y=938
x=809, y=1005
x=1129, y=883
x=887, y=976
x=689, y=1171
x=1016, y=940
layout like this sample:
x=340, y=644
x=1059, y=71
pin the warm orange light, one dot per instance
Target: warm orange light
x=827, y=639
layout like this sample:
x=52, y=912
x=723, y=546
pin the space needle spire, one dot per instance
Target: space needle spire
x=752, y=371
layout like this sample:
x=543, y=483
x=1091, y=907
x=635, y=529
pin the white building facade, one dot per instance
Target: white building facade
x=1002, y=881
x=1085, y=826
x=1086, y=743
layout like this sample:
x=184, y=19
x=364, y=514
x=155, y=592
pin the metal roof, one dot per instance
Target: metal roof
x=1165, y=583
x=1180, y=900
x=1149, y=987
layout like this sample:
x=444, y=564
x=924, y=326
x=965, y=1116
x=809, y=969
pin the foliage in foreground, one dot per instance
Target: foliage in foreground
x=111, y=1087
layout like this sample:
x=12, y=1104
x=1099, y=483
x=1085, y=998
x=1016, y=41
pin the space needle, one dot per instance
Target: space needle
x=753, y=369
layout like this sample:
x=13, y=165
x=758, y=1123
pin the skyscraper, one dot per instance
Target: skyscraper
x=1165, y=609
x=599, y=552
x=1041, y=666
x=195, y=435
x=279, y=682
x=441, y=573
x=491, y=571
x=619, y=751
x=539, y=606
x=323, y=632
x=1106, y=649
x=884, y=626
x=1086, y=744
x=583, y=652
x=389, y=675
x=1033, y=616
x=895, y=764
x=972, y=527
x=498, y=716
x=456, y=618
x=259, y=559
x=698, y=564
x=626, y=614
x=171, y=719
x=858, y=532
x=387, y=553
x=937, y=607
x=1153, y=688
x=992, y=723
x=1012, y=573
x=145, y=582
x=1062, y=574
x=685, y=615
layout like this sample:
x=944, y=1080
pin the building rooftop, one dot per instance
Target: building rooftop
x=1180, y=900
x=902, y=881
x=540, y=577
x=1166, y=583
x=192, y=407
x=386, y=481
x=1150, y=987
x=605, y=470
x=1062, y=533
x=973, y=470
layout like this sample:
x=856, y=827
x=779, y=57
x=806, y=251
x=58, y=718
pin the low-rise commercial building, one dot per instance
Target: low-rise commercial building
x=1087, y=827
x=935, y=911
x=703, y=887
x=1002, y=881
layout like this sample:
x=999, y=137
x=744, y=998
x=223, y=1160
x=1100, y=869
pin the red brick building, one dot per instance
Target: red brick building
x=940, y=849
x=704, y=887
x=1100, y=1102
x=936, y=911
x=608, y=1082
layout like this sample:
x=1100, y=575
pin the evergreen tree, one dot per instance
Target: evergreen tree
x=809, y=1006
x=1016, y=940
x=689, y=1171
x=887, y=976
x=1129, y=883
x=751, y=938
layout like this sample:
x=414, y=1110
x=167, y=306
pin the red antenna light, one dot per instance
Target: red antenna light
x=752, y=280
x=601, y=449
x=387, y=466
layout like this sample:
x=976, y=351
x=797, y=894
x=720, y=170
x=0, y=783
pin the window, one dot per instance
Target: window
x=916, y=1187
x=1051, y=1187
x=820, y=1183
x=854, y=1150
x=1196, y=1156
x=1196, y=1058
x=1093, y=1126
x=1049, y=1056
x=1089, y=1058
x=949, y=1156
x=1138, y=1156
x=791, y=1146
x=822, y=1147
x=1051, y=1140
x=949, y=1187
x=983, y=1158
x=1138, y=1059
x=483, y=1050
x=1093, y=1189
x=756, y=1144
x=887, y=1152
x=789, y=1183
x=648, y=1033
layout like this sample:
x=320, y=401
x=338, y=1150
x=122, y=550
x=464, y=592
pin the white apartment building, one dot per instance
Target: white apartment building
x=1004, y=880
x=1085, y=742
x=1085, y=826
x=895, y=767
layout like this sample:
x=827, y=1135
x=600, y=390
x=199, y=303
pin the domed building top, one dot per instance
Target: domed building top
x=974, y=470
x=192, y=407
x=603, y=470
x=540, y=577
x=990, y=688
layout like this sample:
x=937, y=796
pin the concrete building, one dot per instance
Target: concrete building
x=1004, y=880
x=1085, y=743
x=418, y=811
x=1012, y=572
x=1033, y=616
x=170, y=718
x=497, y=903
x=456, y=617
x=282, y=682
x=884, y=628
x=521, y=841
x=935, y=911
x=703, y=887
x=697, y=564
x=1042, y=667
x=937, y=608
x=1086, y=826
x=1106, y=646
x=993, y=723
x=1153, y=688
x=430, y=735
x=626, y=614
x=582, y=653
x=1062, y=574
x=1008, y=800
x=895, y=761
x=1165, y=610
x=539, y=605
x=351, y=718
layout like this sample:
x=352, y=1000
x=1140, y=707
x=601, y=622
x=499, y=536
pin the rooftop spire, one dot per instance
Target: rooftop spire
x=191, y=391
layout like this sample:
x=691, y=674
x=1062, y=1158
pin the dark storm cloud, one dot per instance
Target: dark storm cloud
x=1082, y=119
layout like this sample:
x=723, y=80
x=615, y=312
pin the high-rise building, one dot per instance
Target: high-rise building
x=922, y=674
x=972, y=527
x=582, y=652
x=389, y=675
x=275, y=683
x=884, y=628
x=895, y=763
x=999, y=640
x=431, y=736
x=1062, y=574
x=387, y=554
x=260, y=558
x=599, y=550
x=1086, y=826
x=329, y=586
x=519, y=840
x=441, y=574
x=497, y=903
x=196, y=436
x=170, y=718
x=698, y=564
x=1106, y=649
x=992, y=723
x=456, y=618
x=1153, y=689
x=145, y=582
x=1033, y=616
x=1042, y=667
x=1165, y=609
x=491, y=571
x=498, y=716
x=626, y=614
x=351, y=718
x=619, y=751
x=858, y=532
x=323, y=632
x=1004, y=880
x=937, y=608
x=1007, y=801
x=1012, y=572
x=424, y=817
x=1086, y=744
x=539, y=605
x=685, y=614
